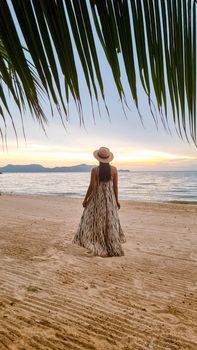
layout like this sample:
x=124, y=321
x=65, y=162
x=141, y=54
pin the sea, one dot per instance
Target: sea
x=154, y=186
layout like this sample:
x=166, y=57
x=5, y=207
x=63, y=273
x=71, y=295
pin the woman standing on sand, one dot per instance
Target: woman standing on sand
x=99, y=229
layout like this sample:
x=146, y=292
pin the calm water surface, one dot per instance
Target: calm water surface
x=143, y=186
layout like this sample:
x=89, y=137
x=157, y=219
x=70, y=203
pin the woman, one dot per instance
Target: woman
x=99, y=229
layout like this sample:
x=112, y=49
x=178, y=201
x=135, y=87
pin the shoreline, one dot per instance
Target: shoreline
x=26, y=195
x=55, y=295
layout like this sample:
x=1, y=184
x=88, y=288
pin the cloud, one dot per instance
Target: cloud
x=129, y=157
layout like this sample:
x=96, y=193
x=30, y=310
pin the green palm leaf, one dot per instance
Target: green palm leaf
x=156, y=38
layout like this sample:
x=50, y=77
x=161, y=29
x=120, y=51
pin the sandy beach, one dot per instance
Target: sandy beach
x=54, y=295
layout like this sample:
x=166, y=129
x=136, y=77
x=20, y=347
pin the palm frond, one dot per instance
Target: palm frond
x=156, y=39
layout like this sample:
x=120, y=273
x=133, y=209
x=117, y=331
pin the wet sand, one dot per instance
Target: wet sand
x=54, y=295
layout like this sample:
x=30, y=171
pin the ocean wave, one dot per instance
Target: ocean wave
x=133, y=185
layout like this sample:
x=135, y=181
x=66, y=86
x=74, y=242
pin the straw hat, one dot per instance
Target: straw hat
x=103, y=155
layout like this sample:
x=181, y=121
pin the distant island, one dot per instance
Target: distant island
x=37, y=168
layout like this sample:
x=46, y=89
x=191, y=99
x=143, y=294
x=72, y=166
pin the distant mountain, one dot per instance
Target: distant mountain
x=37, y=168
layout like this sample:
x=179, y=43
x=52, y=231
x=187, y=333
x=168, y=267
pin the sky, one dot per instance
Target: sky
x=135, y=146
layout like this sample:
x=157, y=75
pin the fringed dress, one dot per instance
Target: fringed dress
x=99, y=229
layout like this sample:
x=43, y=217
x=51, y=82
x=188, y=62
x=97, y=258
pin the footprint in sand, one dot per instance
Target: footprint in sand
x=33, y=289
x=170, y=315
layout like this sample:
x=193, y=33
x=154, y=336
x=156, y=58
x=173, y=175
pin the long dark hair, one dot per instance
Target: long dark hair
x=104, y=172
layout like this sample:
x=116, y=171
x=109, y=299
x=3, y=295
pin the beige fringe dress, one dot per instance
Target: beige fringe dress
x=99, y=229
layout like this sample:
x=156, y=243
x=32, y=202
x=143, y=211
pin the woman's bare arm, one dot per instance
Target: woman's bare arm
x=90, y=188
x=115, y=185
